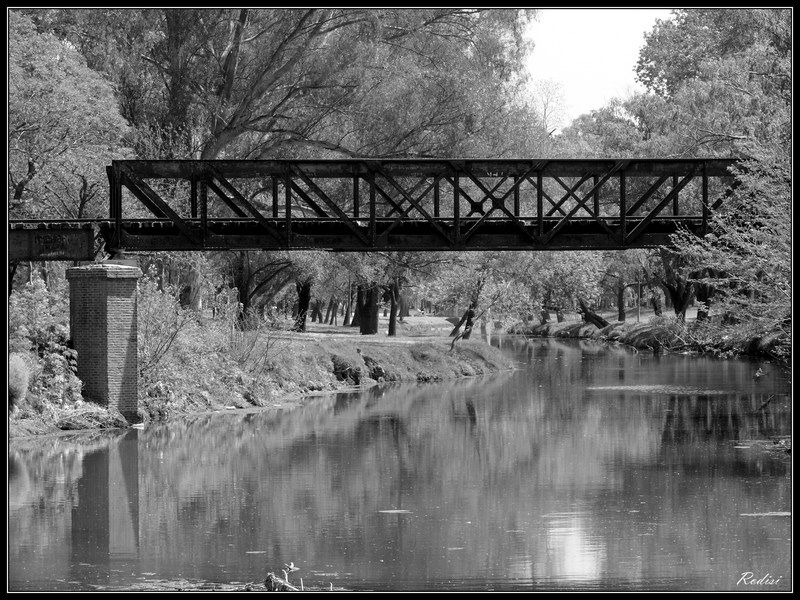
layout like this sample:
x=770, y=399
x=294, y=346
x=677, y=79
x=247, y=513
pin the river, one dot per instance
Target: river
x=590, y=467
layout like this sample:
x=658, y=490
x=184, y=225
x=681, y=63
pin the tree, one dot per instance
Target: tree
x=63, y=127
x=258, y=277
x=732, y=93
x=675, y=50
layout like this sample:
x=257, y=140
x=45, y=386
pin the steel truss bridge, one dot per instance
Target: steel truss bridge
x=376, y=204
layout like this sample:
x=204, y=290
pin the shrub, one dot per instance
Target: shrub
x=18, y=379
x=251, y=342
x=38, y=316
x=38, y=323
x=161, y=319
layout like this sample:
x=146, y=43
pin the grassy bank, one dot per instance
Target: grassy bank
x=668, y=334
x=212, y=368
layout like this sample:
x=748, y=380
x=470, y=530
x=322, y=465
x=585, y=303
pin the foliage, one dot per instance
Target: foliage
x=719, y=84
x=18, y=379
x=64, y=126
x=37, y=325
x=747, y=257
x=161, y=319
x=736, y=99
x=675, y=50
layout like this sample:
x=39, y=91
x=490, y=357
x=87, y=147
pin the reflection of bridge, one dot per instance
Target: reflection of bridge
x=404, y=204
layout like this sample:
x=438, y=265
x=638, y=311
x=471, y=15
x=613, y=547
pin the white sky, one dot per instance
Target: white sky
x=590, y=54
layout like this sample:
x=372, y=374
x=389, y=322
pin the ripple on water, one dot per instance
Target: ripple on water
x=659, y=389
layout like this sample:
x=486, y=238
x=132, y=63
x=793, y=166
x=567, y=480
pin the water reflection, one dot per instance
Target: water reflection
x=74, y=508
x=536, y=479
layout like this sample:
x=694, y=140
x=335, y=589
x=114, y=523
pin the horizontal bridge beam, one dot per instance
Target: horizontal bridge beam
x=309, y=234
x=643, y=167
x=151, y=235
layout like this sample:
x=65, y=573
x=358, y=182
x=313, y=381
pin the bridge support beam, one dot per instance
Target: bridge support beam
x=102, y=318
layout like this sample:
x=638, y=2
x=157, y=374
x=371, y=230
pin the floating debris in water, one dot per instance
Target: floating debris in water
x=395, y=512
x=742, y=447
x=766, y=514
x=460, y=548
x=256, y=552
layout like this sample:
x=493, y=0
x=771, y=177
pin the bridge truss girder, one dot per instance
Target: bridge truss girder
x=410, y=204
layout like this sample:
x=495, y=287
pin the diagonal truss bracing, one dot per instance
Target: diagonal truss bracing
x=411, y=204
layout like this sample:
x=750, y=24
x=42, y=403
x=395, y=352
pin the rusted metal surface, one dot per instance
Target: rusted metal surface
x=51, y=241
x=410, y=204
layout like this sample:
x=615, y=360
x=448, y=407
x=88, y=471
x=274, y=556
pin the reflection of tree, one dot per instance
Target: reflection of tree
x=692, y=418
x=480, y=464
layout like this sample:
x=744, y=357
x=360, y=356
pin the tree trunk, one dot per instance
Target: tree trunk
x=458, y=325
x=621, y=301
x=394, y=297
x=245, y=308
x=560, y=314
x=466, y=321
x=12, y=271
x=404, y=308
x=704, y=292
x=545, y=316
x=335, y=312
x=370, y=310
x=358, y=308
x=667, y=301
x=303, y=300
x=469, y=323
x=680, y=294
x=348, y=306
x=590, y=316
x=329, y=312
x=656, y=302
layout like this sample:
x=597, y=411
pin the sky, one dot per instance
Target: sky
x=589, y=54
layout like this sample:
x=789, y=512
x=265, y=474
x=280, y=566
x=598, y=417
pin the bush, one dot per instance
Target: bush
x=38, y=323
x=18, y=379
x=161, y=319
x=251, y=341
x=37, y=317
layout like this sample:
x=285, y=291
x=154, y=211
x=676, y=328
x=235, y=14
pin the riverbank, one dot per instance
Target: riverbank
x=663, y=334
x=212, y=369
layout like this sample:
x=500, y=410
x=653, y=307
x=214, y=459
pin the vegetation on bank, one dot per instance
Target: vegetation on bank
x=669, y=334
x=190, y=362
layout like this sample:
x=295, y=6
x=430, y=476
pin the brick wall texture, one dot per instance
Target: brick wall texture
x=103, y=328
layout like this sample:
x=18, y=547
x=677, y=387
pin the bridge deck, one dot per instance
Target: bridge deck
x=361, y=205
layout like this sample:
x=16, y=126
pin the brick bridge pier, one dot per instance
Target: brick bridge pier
x=102, y=317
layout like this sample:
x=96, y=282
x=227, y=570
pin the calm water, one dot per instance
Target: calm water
x=591, y=467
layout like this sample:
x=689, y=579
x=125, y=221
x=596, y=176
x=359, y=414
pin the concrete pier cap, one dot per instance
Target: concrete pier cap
x=103, y=326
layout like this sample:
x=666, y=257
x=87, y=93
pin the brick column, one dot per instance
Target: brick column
x=102, y=317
